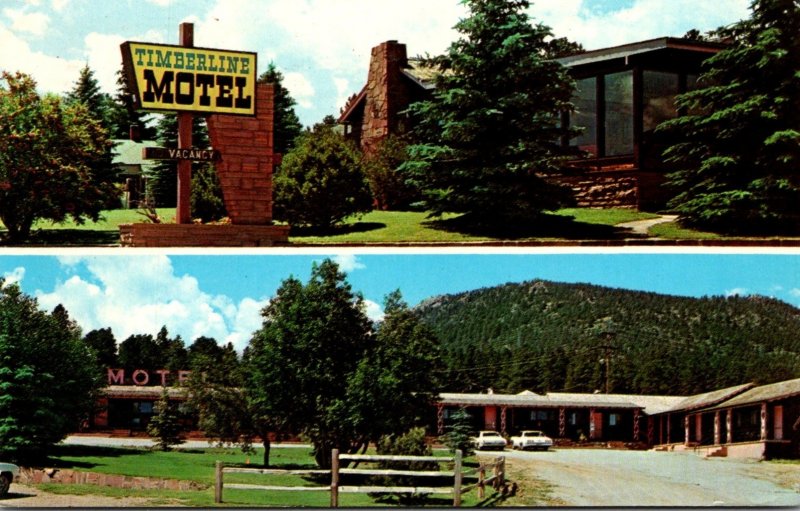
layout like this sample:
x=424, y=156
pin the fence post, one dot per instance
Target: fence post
x=501, y=463
x=218, y=482
x=457, y=479
x=335, y=478
x=481, y=479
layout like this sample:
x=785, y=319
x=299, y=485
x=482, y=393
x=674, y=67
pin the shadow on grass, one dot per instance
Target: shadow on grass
x=64, y=237
x=544, y=226
x=299, y=232
x=88, y=451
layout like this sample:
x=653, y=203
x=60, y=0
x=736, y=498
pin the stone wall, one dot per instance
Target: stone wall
x=65, y=476
x=248, y=159
x=602, y=190
x=191, y=235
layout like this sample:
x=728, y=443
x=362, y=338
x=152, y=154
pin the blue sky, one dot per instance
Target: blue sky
x=221, y=295
x=321, y=46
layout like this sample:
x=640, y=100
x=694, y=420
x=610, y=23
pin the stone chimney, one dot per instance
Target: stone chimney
x=386, y=93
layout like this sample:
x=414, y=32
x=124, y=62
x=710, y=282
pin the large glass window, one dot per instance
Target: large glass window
x=585, y=115
x=619, y=113
x=659, y=91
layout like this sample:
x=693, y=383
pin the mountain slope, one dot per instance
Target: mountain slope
x=547, y=336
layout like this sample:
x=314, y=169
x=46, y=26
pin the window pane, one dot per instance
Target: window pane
x=585, y=115
x=659, y=93
x=619, y=113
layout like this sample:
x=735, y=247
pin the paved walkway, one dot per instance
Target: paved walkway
x=642, y=227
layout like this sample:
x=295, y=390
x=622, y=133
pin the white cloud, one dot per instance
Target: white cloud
x=60, y=5
x=348, y=262
x=53, y=74
x=795, y=292
x=105, y=58
x=374, y=310
x=139, y=295
x=14, y=276
x=645, y=19
x=32, y=23
x=300, y=88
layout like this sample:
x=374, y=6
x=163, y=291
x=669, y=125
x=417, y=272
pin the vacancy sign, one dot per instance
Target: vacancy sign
x=187, y=79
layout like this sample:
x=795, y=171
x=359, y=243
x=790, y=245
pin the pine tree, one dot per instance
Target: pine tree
x=287, y=124
x=163, y=183
x=491, y=132
x=123, y=113
x=738, y=156
x=165, y=425
x=87, y=91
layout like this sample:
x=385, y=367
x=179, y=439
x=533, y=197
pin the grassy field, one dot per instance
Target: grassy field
x=390, y=227
x=198, y=465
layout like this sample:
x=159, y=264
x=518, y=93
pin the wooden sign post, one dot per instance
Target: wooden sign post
x=183, y=214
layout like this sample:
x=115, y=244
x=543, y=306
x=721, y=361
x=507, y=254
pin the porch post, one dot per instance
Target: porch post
x=592, y=425
x=763, y=421
x=729, y=426
x=440, y=418
x=717, y=432
x=503, y=420
x=669, y=427
x=687, y=431
x=651, y=426
x=636, y=425
x=562, y=422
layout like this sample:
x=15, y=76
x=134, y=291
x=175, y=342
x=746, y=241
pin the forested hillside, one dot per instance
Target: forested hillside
x=546, y=336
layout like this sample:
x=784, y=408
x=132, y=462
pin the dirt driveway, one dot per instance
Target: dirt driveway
x=28, y=496
x=594, y=477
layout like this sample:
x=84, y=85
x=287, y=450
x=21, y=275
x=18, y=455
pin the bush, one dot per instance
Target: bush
x=207, y=202
x=412, y=443
x=387, y=182
x=321, y=181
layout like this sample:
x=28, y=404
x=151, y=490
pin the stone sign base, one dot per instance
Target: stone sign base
x=195, y=235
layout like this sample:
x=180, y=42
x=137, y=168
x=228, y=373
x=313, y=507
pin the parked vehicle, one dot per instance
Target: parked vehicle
x=534, y=440
x=8, y=472
x=489, y=440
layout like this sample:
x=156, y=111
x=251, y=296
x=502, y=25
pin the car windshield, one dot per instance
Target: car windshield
x=534, y=433
x=491, y=433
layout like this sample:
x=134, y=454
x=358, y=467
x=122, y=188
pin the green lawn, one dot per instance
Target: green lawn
x=389, y=227
x=198, y=465
x=415, y=227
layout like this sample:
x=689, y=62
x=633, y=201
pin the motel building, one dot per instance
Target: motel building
x=131, y=399
x=747, y=420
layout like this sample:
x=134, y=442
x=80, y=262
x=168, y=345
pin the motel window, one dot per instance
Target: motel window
x=659, y=91
x=573, y=419
x=614, y=419
x=585, y=115
x=619, y=113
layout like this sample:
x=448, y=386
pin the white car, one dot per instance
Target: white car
x=532, y=439
x=8, y=472
x=489, y=440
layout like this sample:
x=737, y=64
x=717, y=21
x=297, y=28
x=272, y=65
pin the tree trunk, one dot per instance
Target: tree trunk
x=267, y=445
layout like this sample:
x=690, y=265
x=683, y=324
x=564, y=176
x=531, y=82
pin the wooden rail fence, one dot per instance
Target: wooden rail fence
x=496, y=480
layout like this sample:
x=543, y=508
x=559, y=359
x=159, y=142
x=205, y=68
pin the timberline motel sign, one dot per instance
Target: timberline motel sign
x=189, y=81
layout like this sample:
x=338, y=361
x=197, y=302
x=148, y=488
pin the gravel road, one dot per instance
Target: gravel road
x=593, y=477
